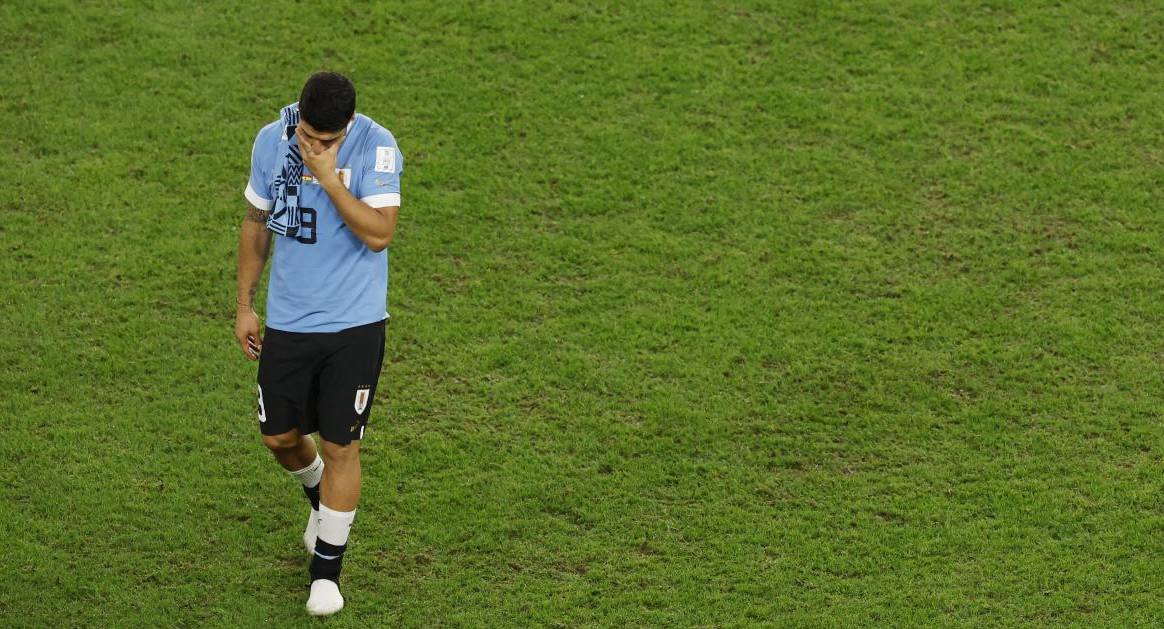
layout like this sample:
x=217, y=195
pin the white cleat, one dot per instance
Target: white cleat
x=325, y=598
x=311, y=532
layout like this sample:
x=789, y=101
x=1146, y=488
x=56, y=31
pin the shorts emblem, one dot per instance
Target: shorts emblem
x=361, y=399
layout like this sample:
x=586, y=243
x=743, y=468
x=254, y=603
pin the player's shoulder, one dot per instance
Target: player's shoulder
x=268, y=138
x=373, y=133
x=378, y=146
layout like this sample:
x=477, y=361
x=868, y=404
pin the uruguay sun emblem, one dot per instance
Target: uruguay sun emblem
x=361, y=400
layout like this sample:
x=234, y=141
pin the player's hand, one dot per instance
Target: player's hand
x=322, y=163
x=246, y=330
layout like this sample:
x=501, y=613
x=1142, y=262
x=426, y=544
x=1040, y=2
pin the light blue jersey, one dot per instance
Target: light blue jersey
x=324, y=279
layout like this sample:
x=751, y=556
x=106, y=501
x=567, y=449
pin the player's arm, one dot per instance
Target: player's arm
x=373, y=225
x=254, y=245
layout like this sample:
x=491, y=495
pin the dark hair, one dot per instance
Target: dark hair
x=328, y=101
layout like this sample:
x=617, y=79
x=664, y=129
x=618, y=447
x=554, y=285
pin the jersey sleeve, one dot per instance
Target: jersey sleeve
x=258, y=188
x=380, y=181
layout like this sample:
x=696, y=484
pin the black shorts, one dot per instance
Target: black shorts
x=321, y=381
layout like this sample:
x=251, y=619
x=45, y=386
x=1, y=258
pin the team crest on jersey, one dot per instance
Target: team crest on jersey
x=344, y=173
x=362, y=395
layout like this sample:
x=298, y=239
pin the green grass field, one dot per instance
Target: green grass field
x=705, y=314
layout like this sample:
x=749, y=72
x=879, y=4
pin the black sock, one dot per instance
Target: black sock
x=312, y=496
x=327, y=561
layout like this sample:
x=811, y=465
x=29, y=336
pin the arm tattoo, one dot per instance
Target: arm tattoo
x=257, y=215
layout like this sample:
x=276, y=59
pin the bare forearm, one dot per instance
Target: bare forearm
x=254, y=245
x=373, y=226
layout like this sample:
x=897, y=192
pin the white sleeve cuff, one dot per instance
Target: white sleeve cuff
x=391, y=199
x=257, y=200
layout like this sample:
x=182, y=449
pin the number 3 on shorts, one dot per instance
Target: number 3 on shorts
x=262, y=411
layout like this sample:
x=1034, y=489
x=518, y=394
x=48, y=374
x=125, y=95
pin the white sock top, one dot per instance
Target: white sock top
x=335, y=525
x=311, y=474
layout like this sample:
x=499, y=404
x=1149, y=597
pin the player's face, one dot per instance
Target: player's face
x=321, y=140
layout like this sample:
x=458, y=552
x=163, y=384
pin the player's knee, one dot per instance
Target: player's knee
x=285, y=441
x=334, y=453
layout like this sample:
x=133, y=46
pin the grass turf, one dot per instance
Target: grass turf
x=706, y=314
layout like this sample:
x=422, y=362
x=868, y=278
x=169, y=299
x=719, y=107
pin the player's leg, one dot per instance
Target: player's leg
x=292, y=450
x=297, y=454
x=284, y=393
x=343, y=476
x=347, y=385
x=341, y=490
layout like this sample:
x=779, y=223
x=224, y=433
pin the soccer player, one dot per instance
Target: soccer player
x=325, y=186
